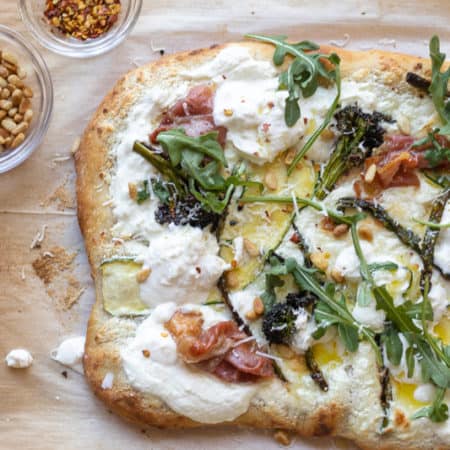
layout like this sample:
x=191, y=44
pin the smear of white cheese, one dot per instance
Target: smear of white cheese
x=442, y=248
x=185, y=389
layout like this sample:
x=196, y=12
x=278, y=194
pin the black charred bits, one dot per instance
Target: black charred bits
x=349, y=119
x=186, y=211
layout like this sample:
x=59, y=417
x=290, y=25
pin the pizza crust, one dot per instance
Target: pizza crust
x=275, y=405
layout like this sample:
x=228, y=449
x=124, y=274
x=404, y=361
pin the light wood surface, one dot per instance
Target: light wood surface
x=39, y=408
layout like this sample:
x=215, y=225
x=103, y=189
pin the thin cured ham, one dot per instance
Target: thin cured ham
x=193, y=114
x=221, y=349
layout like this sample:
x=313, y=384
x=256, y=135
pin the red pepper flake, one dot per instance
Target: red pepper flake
x=265, y=127
x=295, y=238
x=305, y=120
x=82, y=19
x=198, y=269
x=271, y=105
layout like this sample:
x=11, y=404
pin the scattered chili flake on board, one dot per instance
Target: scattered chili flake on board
x=82, y=19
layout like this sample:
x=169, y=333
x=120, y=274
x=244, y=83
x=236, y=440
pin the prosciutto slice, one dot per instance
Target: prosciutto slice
x=398, y=160
x=193, y=114
x=218, y=349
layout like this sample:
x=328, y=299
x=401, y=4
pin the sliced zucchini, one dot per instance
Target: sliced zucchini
x=120, y=288
x=261, y=225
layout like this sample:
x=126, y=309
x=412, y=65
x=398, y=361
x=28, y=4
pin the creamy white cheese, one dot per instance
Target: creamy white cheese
x=70, y=353
x=305, y=328
x=442, y=248
x=425, y=393
x=370, y=316
x=19, y=358
x=188, y=391
x=384, y=247
x=133, y=219
x=252, y=109
x=184, y=266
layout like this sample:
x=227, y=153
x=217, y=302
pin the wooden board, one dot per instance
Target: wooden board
x=39, y=407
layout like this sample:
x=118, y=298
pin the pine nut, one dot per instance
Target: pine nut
x=143, y=274
x=24, y=105
x=370, y=173
x=16, y=97
x=23, y=126
x=340, y=230
x=28, y=116
x=18, y=140
x=319, y=260
x=271, y=180
x=258, y=306
x=27, y=92
x=6, y=105
x=9, y=57
x=250, y=247
x=365, y=232
x=8, y=124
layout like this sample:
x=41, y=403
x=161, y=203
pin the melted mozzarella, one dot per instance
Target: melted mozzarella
x=184, y=266
x=442, y=249
x=188, y=391
x=251, y=107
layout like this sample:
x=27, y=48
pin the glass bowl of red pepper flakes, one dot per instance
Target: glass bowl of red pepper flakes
x=80, y=28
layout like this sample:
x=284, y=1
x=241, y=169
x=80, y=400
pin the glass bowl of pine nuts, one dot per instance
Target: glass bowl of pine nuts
x=80, y=28
x=26, y=99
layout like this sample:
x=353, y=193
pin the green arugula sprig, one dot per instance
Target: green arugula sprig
x=433, y=359
x=427, y=350
x=302, y=77
x=331, y=308
x=438, y=91
x=437, y=411
x=193, y=165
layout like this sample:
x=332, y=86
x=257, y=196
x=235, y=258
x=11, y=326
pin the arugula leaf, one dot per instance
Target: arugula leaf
x=161, y=191
x=432, y=225
x=437, y=154
x=331, y=309
x=268, y=297
x=439, y=81
x=394, y=345
x=304, y=72
x=194, y=165
x=388, y=265
x=349, y=336
x=437, y=411
x=438, y=91
x=302, y=76
x=175, y=142
x=143, y=193
x=434, y=364
x=441, y=180
x=364, y=294
x=416, y=310
x=410, y=361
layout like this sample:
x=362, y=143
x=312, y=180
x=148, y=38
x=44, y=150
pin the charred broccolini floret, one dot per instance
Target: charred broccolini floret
x=279, y=323
x=359, y=134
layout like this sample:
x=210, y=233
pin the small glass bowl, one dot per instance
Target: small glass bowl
x=39, y=80
x=32, y=13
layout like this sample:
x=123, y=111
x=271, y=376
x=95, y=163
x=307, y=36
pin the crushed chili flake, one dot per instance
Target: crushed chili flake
x=82, y=19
